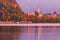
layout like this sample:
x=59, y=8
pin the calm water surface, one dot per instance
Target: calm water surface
x=29, y=33
x=41, y=33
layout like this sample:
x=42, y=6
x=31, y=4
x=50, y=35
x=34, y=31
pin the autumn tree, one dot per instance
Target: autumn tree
x=11, y=10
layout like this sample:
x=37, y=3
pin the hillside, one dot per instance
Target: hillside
x=10, y=10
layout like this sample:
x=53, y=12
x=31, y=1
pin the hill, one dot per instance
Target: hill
x=10, y=10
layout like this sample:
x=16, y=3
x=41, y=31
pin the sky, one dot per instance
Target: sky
x=45, y=6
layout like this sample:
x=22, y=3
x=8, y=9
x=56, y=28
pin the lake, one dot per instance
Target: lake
x=29, y=33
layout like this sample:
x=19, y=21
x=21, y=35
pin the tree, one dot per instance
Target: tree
x=34, y=20
x=45, y=18
x=54, y=12
x=10, y=8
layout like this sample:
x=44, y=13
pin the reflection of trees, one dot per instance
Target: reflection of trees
x=36, y=29
x=11, y=33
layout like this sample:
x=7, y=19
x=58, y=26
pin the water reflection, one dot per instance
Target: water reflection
x=30, y=33
x=50, y=33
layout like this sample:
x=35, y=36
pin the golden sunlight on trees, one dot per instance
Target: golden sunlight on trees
x=11, y=11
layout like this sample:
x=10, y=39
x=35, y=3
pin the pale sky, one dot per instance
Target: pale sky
x=43, y=5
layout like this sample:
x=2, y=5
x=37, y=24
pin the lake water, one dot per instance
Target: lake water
x=29, y=33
